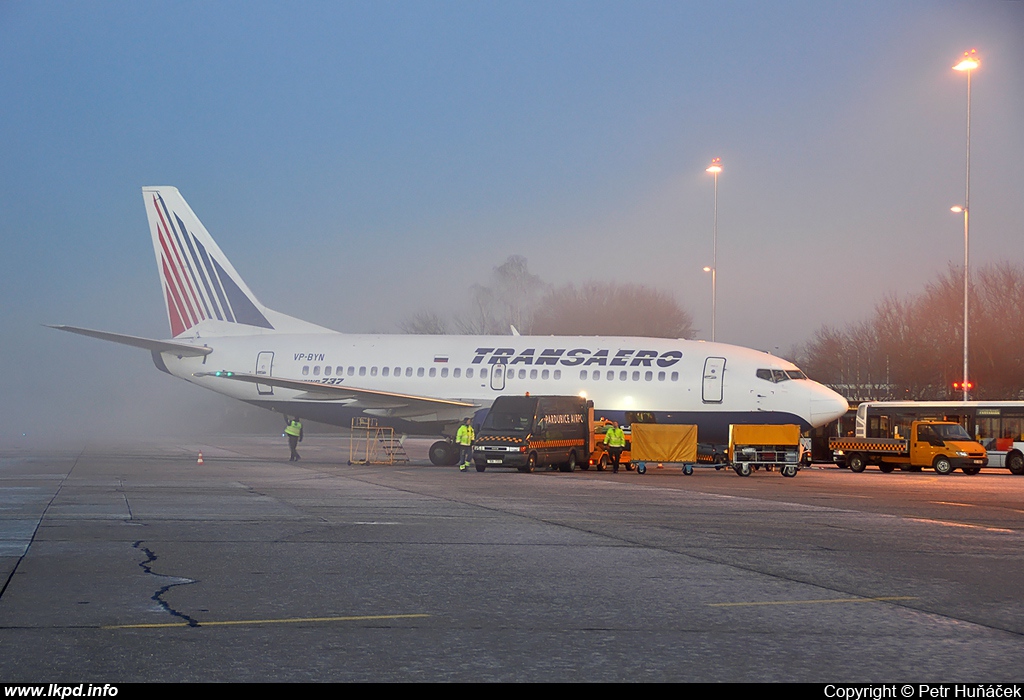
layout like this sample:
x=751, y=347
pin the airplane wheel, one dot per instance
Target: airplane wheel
x=942, y=466
x=641, y=468
x=442, y=454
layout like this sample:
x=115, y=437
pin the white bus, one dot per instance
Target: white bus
x=997, y=425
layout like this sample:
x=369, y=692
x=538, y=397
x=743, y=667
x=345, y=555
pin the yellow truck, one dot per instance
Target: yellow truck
x=764, y=446
x=941, y=445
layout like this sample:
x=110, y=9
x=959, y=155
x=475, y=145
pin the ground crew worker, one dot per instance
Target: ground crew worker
x=615, y=440
x=464, y=438
x=293, y=429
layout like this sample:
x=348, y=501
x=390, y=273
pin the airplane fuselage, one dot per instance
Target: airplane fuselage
x=674, y=381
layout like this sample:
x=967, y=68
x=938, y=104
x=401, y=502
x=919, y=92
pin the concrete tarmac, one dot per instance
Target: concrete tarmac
x=132, y=563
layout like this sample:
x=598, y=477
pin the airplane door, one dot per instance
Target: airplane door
x=714, y=368
x=498, y=377
x=264, y=365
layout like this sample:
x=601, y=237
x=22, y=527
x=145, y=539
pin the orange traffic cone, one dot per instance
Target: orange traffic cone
x=200, y=460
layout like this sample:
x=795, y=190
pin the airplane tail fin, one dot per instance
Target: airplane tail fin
x=199, y=282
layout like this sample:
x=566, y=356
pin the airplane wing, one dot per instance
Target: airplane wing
x=171, y=346
x=399, y=405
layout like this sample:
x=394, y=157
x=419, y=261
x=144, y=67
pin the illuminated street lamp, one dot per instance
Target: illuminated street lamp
x=714, y=169
x=967, y=63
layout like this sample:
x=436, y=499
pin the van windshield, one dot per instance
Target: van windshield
x=513, y=414
x=951, y=432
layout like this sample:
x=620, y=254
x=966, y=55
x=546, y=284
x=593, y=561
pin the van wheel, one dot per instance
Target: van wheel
x=1015, y=463
x=531, y=464
x=569, y=466
x=481, y=467
x=971, y=471
x=856, y=463
x=942, y=465
x=886, y=468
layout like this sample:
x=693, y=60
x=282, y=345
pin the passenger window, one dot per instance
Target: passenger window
x=483, y=373
x=419, y=372
x=373, y=371
x=661, y=376
x=327, y=371
x=558, y=374
x=384, y=372
x=648, y=376
x=432, y=372
x=583, y=374
x=444, y=371
x=469, y=373
x=533, y=374
x=610, y=375
x=636, y=376
x=622, y=376
x=316, y=371
x=408, y=371
x=544, y=374
x=456, y=373
x=305, y=370
x=522, y=374
x=675, y=376
x=351, y=371
x=398, y=371
x=362, y=371
x=596, y=375
x=339, y=370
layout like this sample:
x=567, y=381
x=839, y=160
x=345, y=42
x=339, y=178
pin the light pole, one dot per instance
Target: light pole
x=714, y=169
x=967, y=63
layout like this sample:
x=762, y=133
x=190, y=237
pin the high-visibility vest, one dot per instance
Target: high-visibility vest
x=615, y=437
x=465, y=435
x=294, y=428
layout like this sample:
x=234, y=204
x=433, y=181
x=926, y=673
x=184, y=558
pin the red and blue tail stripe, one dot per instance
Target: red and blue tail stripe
x=196, y=285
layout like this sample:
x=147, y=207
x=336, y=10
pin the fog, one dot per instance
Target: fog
x=361, y=162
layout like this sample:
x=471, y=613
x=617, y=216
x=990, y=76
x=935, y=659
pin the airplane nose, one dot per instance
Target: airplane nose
x=826, y=406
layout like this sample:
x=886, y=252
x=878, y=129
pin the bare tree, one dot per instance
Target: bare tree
x=604, y=308
x=912, y=349
x=508, y=301
x=424, y=323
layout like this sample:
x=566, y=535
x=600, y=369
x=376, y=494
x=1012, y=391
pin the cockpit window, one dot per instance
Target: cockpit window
x=777, y=375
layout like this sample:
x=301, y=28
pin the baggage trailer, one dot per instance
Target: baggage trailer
x=755, y=446
x=664, y=444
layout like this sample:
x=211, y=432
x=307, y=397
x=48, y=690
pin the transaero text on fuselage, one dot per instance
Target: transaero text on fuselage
x=576, y=356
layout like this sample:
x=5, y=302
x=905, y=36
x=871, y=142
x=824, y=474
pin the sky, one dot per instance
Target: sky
x=362, y=161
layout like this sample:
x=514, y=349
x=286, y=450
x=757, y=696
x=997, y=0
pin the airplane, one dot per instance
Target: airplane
x=225, y=340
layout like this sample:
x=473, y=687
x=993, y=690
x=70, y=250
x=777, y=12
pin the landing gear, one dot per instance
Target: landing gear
x=443, y=454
